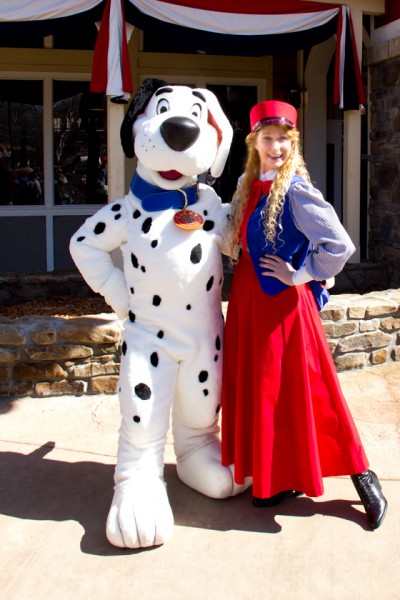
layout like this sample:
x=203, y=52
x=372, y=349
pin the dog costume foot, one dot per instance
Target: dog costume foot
x=202, y=470
x=140, y=515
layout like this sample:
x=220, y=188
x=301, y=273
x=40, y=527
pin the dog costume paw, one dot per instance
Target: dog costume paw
x=140, y=515
x=202, y=470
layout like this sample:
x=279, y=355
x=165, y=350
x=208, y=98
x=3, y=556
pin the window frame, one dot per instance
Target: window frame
x=48, y=209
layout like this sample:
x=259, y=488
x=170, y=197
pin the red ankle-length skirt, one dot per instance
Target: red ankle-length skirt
x=285, y=421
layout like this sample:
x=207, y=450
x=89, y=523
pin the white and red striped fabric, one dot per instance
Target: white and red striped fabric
x=248, y=27
x=111, y=70
x=41, y=10
x=253, y=17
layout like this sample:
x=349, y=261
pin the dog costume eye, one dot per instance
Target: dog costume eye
x=196, y=110
x=162, y=106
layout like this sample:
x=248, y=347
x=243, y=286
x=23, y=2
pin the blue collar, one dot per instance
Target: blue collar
x=155, y=198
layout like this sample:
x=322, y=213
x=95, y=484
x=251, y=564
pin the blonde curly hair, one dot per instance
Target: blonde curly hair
x=294, y=165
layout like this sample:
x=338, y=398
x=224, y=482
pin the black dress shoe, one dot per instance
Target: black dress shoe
x=274, y=500
x=370, y=491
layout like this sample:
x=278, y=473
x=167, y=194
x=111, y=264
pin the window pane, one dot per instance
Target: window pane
x=64, y=229
x=236, y=101
x=80, y=150
x=23, y=243
x=21, y=142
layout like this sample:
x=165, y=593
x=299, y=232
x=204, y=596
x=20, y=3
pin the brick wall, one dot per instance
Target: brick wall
x=50, y=356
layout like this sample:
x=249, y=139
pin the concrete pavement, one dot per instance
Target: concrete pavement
x=57, y=459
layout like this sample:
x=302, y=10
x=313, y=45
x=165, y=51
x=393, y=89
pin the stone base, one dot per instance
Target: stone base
x=52, y=356
x=362, y=278
x=24, y=287
x=16, y=288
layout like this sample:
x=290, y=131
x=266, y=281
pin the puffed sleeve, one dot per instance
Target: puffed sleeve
x=90, y=248
x=317, y=219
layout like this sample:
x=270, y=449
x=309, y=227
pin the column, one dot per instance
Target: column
x=352, y=158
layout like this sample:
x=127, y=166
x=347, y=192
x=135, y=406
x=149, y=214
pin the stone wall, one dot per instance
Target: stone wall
x=363, y=329
x=50, y=356
x=384, y=110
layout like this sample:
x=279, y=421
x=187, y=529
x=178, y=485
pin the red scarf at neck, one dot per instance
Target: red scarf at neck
x=258, y=188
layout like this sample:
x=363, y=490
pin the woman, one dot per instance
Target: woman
x=285, y=422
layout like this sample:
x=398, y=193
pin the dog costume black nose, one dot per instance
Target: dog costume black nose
x=180, y=132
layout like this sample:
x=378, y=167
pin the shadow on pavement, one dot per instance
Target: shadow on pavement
x=37, y=488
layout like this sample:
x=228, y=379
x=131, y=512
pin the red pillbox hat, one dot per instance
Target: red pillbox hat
x=272, y=112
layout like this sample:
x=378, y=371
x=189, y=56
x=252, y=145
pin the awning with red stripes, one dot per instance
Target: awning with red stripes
x=243, y=27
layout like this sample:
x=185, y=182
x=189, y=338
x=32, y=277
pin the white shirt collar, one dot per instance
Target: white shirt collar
x=268, y=175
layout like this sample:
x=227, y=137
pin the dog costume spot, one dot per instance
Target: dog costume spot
x=100, y=227
x=217, y=410
x=216, y=358
x=154, y=243
x=147, y=225
x=136, y=214
x=134, y=261
x=116, y=207
x=196, y=254
x=142, y=391
x=208, y=225
x=210, y=283
x=154, y=359
x=218, y=342
x=132, y=316
x=205, y=392
x=160, y=334
x=118, y=216
x=132, y=290
x=136, y=419
x=124, y=348
x=80, y=238
x=203, y=376
x=156, y=300
x=143, y=269
x=188, y=307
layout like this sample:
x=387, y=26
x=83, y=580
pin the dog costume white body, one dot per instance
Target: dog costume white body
x=170, y=292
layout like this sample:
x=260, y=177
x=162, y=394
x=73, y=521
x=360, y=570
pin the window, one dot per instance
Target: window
x=79, y=144
x=53, y=167
x=21, y=142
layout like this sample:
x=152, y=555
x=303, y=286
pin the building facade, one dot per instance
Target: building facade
x=61, y=159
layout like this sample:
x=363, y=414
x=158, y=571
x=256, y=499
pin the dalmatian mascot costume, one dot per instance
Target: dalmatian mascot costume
x=171, y=231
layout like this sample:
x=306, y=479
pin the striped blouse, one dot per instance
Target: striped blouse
x=317, y=219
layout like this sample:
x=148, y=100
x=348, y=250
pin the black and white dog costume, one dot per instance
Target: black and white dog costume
x=170, y=294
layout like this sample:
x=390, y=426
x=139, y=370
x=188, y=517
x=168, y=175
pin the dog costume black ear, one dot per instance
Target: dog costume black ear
x=137, y=106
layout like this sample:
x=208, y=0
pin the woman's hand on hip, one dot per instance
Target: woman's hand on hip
x=277, y=267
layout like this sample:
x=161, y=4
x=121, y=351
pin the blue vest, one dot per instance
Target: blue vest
x=290, y=244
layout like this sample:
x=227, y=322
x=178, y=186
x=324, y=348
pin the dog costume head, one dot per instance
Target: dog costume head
x=176, y=133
